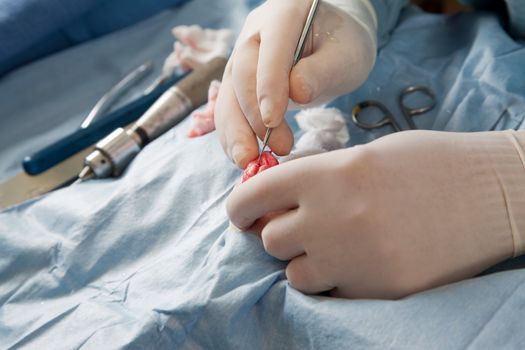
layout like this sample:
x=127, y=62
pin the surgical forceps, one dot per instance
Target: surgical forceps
x=388, y=117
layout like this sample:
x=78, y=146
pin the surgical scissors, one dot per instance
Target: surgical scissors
x=388, y=117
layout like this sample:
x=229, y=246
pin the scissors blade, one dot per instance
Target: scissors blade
x=297, y=55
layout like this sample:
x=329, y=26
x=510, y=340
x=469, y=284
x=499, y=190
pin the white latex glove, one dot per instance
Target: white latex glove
x=405, y=213
x=259, y=79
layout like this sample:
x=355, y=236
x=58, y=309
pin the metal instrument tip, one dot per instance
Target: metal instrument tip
x=265, y=141
x=85, y=175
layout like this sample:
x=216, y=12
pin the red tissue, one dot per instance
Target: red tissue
x=255, y=166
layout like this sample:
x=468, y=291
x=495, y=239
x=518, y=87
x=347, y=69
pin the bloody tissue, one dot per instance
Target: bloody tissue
x=256, y=166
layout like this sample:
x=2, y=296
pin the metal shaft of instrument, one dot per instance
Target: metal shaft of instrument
x=297, y=56
x=104, y=104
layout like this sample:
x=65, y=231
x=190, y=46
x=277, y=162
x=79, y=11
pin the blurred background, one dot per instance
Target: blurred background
x=439, y=6
x=32, y=29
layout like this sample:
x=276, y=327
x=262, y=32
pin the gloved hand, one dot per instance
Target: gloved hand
x=259, y=79
x=405, y=213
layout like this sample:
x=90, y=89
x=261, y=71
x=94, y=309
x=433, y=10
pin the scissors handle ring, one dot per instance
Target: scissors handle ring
x=415, y=111
x=387, y=116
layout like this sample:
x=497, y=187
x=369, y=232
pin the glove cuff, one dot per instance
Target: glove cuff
x=362, y=11
x=509, y=166
x=501, y=157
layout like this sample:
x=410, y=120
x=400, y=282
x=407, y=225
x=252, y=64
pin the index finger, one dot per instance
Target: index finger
x=269, y=191
x=278, y=43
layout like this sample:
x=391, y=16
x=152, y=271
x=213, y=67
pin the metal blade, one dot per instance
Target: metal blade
x=23, y=187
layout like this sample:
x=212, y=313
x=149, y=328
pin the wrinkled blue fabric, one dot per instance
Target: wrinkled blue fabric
x=30, y=29
x=148, y=261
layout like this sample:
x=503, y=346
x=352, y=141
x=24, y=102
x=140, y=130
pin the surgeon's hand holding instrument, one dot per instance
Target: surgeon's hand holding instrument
x=338, y=56
x=113, y=153
x=297, y=56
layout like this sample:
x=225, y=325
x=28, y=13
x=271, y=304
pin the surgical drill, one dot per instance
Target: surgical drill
x=113, y=153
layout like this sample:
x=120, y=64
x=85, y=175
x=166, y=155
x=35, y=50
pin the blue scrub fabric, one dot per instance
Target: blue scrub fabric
x=30, y=29
x=147, y=261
